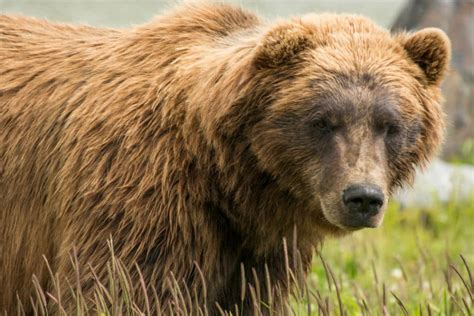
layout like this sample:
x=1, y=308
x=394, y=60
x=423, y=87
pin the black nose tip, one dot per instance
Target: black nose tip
x=363, y=198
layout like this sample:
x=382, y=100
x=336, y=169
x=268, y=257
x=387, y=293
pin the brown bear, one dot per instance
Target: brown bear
x=200, y=141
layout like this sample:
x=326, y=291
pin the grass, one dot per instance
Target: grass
x=418, y=263
x=465, y=154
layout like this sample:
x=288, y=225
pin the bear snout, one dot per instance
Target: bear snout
x=365, y=203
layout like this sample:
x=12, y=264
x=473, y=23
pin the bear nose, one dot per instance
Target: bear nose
x=363, y=199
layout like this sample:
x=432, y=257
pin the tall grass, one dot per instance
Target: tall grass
x=418, y=263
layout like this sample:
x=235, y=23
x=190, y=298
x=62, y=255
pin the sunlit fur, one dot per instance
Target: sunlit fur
x=184, y=140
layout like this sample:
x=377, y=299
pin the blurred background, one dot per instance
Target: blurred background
x=420, y=262
x=123, y=13
x=454, y=174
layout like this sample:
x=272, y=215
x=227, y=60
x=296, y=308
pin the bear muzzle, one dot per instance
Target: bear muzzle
x=364, y=204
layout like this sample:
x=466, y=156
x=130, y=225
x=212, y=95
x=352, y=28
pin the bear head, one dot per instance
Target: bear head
x=348, y=112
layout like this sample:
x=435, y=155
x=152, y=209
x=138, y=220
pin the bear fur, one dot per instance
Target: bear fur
x=194, y=142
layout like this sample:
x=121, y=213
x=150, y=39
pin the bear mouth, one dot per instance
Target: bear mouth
x=342, y=219
x=360, y=221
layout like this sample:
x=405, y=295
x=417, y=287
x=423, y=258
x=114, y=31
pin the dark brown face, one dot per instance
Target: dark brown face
x=349, y=112
x=343, y=149
x=355, y=133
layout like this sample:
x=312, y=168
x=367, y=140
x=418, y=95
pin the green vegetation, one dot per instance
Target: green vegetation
x=418, y=263
x=411, y=265
x=466, y=155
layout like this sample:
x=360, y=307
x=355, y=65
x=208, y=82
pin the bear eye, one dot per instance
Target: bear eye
x=323, y=125
x=392, y=130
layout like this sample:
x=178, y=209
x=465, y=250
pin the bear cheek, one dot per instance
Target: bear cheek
x=332, y=209
x=405, y=155
x=328, y=183
x=278, y=154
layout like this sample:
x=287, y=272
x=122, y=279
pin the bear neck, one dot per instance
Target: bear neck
x=202, y=95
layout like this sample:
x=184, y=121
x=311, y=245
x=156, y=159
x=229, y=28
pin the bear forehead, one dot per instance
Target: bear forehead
x=349, y=41
x=353, y=36
x=335, y=86
x=325, y=25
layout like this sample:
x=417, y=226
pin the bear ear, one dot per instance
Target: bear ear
x=430, y=49
x=281, y=44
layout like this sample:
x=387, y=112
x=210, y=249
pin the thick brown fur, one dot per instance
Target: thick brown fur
x=187, y=141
